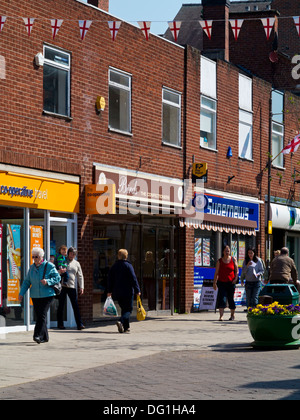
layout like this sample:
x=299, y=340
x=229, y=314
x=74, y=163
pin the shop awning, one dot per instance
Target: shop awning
x=218, y=227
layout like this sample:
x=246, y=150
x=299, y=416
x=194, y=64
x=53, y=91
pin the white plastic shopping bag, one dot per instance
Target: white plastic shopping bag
x=110, y=308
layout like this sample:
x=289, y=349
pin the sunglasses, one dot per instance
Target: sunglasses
x=35, y=256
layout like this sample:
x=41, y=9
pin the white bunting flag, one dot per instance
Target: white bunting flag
x=206, y=26
x=55, y=25
x=145, y=27
x=175, y=28
x=268, y=24
x=297, y=23
x=236, y=25
x=114, y=27
x=2, y=21
x=29, y=24
x=84, y=26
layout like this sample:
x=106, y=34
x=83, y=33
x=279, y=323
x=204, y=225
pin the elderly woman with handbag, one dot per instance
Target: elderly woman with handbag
x=41, y=278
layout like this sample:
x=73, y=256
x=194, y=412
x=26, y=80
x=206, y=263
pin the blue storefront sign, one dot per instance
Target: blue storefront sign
x=226, y=207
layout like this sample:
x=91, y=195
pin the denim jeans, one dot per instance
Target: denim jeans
x=126, y=306
x=252, y=292
x=225, y=293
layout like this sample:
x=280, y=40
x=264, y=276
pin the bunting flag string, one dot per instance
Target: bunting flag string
x=145, y=26
x=55, y=25
x=236, y=25
x=84, y=26
x=175, y=28
x=2, y=21
x=28, y=24
x=268, y=24
x=206, y=26
x=114, y=27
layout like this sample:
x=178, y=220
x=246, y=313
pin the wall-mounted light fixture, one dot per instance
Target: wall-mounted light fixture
x=229, y=153
x=100, y=103
x=39, y=60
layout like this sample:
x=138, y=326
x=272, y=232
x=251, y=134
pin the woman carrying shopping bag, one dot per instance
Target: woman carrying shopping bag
x=122, y=285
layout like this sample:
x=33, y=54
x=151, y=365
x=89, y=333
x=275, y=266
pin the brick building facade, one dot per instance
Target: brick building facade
x=54, y=137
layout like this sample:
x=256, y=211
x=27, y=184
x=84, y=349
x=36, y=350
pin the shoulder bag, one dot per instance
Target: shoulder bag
x=57, y=286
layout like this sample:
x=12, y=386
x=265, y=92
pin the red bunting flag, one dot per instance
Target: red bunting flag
x=84, y=26
x=2, y=21
x=206, y=26
x=297, y=23
x=55, y=25
x=268, y=24
x=145, y=27
x=114, y=27
x=175, y=28
x=236, y=25
x=29, y=24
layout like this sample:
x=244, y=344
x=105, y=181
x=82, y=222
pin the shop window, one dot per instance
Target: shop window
x=205, y=249
x=171, y=117
x=11, y=266
x=239, y=246
x=56, y=82
x=119, y=101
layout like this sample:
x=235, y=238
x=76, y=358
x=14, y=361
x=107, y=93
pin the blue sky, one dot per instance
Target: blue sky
x=159, y=12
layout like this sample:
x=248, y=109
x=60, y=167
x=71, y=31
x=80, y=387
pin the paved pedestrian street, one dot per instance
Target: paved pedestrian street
x=182, y=358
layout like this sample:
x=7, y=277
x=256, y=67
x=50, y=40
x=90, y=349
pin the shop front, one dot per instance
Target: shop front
x=286, y=230
x=37, y=209
x=146, y=225
x=228, y=219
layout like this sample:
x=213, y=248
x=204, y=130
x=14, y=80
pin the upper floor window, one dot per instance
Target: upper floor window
x=119, y=101
x=245, y=117
x=56, y=82
x=208, y=113
x=171, y=117
x=277, y=127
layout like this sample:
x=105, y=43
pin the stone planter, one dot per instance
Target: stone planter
x=277, y=331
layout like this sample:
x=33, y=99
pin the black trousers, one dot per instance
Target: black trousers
x=41, y=307
x=72, y=293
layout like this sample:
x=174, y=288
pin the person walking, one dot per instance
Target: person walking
x=69, y=289
x=224, y=280
x=122, y=285
x=42, y=275
x=252, y=272
x=283, y=269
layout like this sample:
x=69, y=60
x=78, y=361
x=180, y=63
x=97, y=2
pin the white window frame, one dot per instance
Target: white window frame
x=64, y=67
x=208, y=89
x=124, y=88
x=277, y=130
x=175, y=105
x=277, y=144
x=212, y=143
x=245, y=118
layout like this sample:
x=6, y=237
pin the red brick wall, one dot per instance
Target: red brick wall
x=29, y=138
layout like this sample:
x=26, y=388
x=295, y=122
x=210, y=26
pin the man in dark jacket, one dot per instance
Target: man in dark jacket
x=283, y=268
x=122, y=285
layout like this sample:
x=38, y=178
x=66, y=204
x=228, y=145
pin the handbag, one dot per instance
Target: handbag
x=57, y=286
x=140, y=311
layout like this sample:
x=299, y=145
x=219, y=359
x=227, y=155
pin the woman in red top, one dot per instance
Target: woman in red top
x=225, y=279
